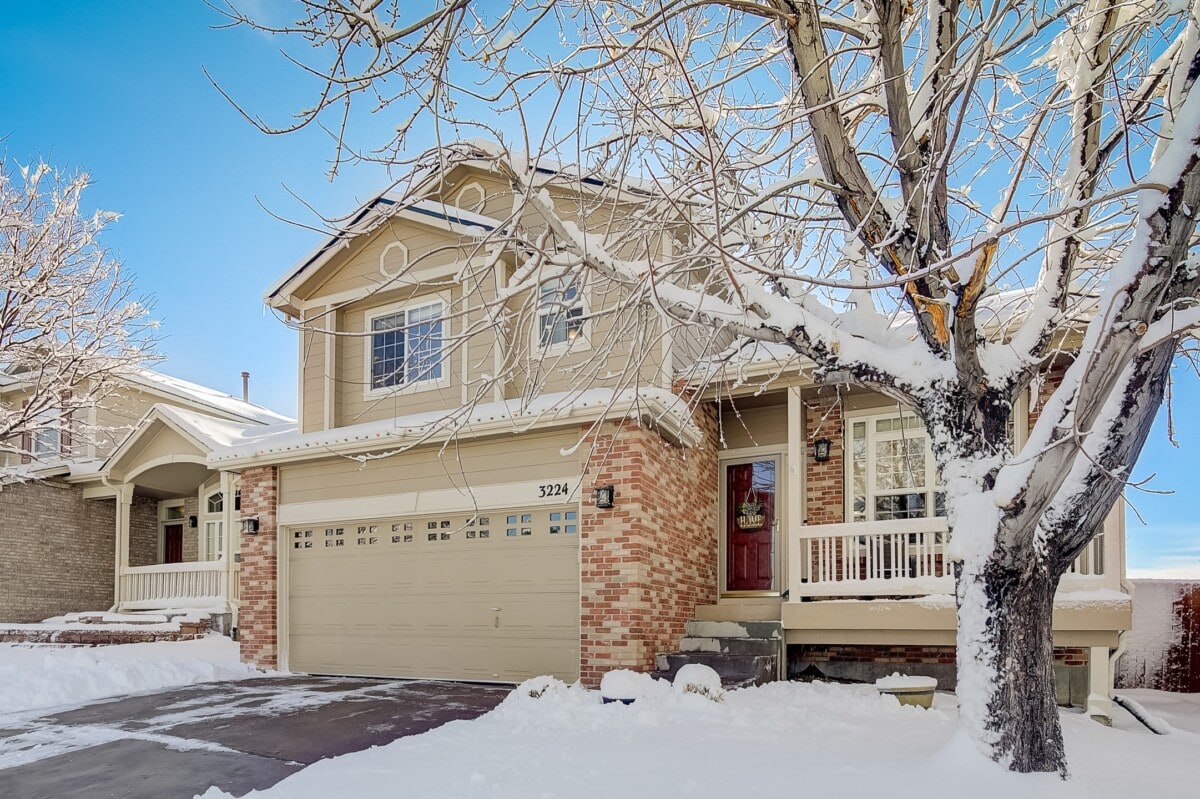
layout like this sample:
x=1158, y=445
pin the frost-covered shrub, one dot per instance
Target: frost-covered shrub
x=625, y=686
x=696, y=678
x=537, y=687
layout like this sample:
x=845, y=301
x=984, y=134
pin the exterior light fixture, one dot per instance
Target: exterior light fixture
x=250, y=525
x=821, y=449
x=604, y=496
x=192, y=521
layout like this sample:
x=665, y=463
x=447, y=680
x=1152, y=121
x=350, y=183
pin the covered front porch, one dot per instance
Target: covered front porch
x=175, y=546
x=831, y=525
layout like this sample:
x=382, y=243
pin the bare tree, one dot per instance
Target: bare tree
x=934, y=200
x=69, y=324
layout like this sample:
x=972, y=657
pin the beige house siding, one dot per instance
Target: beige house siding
x=764, y=426
x=312, y=378
x=471, y=464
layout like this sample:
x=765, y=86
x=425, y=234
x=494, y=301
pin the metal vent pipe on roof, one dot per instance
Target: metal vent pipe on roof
x=245, y=386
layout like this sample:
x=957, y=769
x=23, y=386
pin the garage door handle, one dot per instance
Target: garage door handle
x=495, y=610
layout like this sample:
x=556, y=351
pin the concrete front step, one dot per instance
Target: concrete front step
x=734, y=670
x=699, y=628
x=732, y=646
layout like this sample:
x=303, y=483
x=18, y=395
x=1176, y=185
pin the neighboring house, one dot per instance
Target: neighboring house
x=380, y=538
x=59, y=508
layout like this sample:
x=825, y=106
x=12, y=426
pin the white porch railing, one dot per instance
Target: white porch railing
x=903, y=557
x=200, y=585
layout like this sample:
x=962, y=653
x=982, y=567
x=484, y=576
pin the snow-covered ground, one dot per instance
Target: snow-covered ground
x=35, y=676
x=783, y=738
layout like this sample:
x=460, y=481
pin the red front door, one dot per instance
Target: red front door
x=750, y=492
x=173, y=543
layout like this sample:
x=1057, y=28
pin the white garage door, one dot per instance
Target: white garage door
x=454, y=596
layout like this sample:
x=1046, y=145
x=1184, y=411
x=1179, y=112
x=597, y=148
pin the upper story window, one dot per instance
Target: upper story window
x=406, y=346
x=215, y=503
x=891, y=469
x=560, y=312
x=46, y=439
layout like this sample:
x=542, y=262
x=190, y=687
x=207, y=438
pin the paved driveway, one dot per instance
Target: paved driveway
x=236, y=735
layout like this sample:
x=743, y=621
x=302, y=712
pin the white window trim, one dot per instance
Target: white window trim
x=869, y=416
x=49, y=420
x=164, y=520
x=207, y=518
x=581, y=343
x=368, y=345
x=474, y=185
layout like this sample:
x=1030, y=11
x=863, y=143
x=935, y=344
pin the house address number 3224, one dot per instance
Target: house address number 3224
x=554, y=490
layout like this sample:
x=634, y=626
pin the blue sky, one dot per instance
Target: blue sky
x=117, y=89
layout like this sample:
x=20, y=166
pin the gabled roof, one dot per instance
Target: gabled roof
x=205, y=432
x=208, y=398
x=367, y=219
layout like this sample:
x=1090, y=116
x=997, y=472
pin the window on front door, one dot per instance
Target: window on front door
x=892, y=471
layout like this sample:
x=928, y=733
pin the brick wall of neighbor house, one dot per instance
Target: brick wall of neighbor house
x=143, y=532
x=647, y=562
x=257, y=619
x=191, y=535
x=56, y=551
x=823, y=419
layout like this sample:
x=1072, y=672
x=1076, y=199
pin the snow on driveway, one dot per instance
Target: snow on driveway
x=775, y=739
x=34, y=676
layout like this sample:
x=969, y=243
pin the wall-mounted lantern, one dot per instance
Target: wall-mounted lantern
x=192, y=521
x=250, y=525
x=821, y=449
x=605, y=496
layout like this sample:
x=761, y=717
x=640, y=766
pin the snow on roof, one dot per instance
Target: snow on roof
x=208, y=397
x=216, y=433
x=660, y=405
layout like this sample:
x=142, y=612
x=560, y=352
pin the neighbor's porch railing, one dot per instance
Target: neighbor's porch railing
x=202, y=584
x=903, y=557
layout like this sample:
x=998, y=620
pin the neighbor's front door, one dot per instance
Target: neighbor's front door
x=173, y=543
x=751, y=488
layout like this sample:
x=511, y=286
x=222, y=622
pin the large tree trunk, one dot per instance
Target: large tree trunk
x=1006, y=662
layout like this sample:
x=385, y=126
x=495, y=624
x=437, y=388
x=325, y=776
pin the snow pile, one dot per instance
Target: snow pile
x=899, y=682
x=771, y=740
x=696, y=678
x=623, y=685
x=35, y=676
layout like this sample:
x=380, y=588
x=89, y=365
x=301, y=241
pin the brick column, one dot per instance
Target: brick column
x=823, y=419
x=650, y=560
x=257, y=615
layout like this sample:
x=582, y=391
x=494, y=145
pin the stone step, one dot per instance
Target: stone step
x=697, y=628
x=732, y=646
x=734, y=670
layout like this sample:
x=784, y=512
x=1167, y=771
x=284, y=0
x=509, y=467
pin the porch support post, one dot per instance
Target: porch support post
x=228, y=521
x=124, y=502
x=1099, y=701
x=796, y=483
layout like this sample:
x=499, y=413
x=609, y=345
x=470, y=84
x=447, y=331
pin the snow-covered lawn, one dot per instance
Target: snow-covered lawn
x=34, y=676
x=777, y=740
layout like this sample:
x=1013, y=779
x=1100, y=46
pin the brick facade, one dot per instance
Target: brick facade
x=649, y=561
x=824, y=503
x=258, y=612
x=51, y=522
x=143, y=532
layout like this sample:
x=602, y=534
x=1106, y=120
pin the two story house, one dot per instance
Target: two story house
x=489, y=484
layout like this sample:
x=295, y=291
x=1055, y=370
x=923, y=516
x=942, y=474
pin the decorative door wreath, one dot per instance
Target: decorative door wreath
x=750, y=515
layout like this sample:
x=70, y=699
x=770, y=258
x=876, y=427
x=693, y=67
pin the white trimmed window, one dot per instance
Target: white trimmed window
x=891, y=470
x=560, y=312
x=212, y=531
x=405, y=346
x=45, y=439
